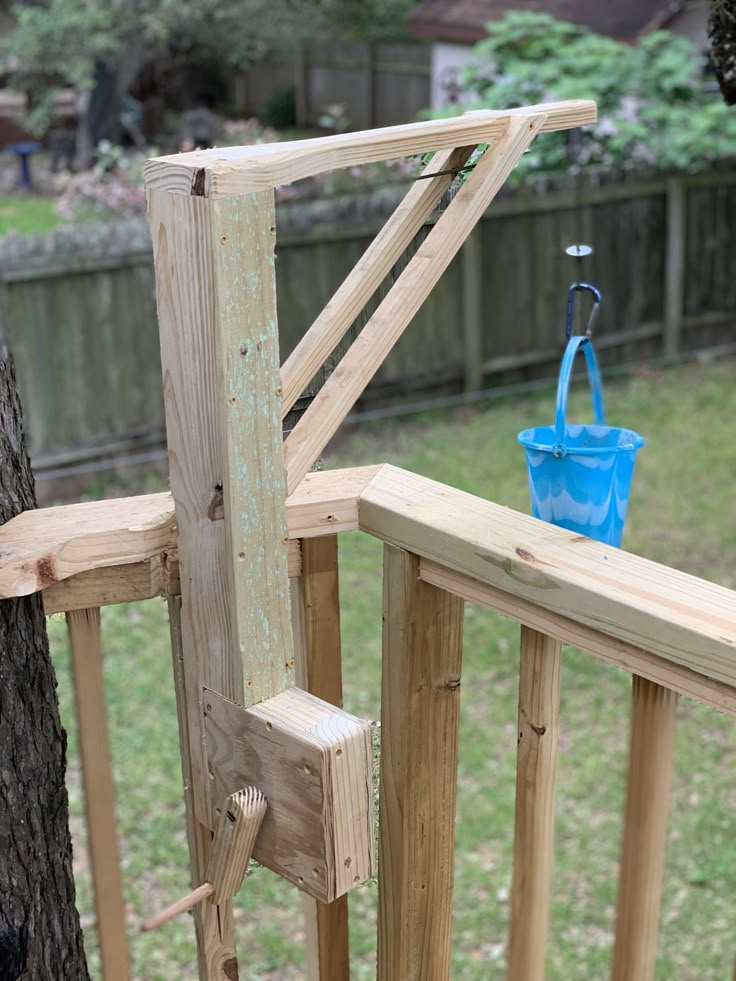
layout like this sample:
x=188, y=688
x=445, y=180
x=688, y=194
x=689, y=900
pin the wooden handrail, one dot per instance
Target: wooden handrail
x=226, y=171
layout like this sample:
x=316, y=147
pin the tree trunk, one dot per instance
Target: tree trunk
x=722, y=34
x=40, y=934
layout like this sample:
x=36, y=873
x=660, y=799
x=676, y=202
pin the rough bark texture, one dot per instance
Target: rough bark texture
x=722, y=34
x=40, y=935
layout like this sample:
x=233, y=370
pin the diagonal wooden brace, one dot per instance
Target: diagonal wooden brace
x=349, y=379
x=313, y=762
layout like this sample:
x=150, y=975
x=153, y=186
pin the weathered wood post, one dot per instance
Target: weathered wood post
x=214, y=261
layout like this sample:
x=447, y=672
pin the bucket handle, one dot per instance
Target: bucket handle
x=563, y=384
x=570, y=311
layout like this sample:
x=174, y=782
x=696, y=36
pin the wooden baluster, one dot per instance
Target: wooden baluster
x=420, y=713
x=651, y=757
x=315, y=604
x=99, y=791
x=536, y=767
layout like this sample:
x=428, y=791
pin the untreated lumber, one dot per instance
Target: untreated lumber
x=534, y=821
x=641, y=876
x=313, y=763
x=420, y=715
x=99, y=791
x=369, y=272
x=350, y=378
x=240, y=821
x=684, y=620
x=626, y=656
x=315, y=607
x=102, y=552
x=227, y=171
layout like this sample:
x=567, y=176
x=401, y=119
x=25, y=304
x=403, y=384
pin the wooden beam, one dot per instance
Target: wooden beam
x=99, y=791
x=420, y=713
x=227, y=171
x=625, y=656
x=41, y=547
x=651, y=755
x=371, y=269
x=253, y=479
x=683, y=619
x=132, y=542
x=534, y=823
x=214, y=925
x=313, y=763
x=349, y=379
x=319, y=671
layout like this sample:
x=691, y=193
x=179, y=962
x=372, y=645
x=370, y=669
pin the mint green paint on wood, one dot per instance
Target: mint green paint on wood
x=254, y=484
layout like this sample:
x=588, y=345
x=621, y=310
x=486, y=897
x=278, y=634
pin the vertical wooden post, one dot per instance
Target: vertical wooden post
x=215, y=290
x=536, y=768
x=316, y=611
x=674, y=270
x=472, y=310
x=99, y=791
x=420, y=712
x=214, y=926
x=651, y=756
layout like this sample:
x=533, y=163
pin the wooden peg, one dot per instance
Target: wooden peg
x=232, y=847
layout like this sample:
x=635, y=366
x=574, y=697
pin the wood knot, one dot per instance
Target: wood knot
x=453, y=684
x=45, y=571
x=540, y=730
x=523, y=554
x=230, y=969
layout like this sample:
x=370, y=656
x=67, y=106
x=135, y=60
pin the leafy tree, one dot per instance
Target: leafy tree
x=654, y=109
x=83, y=41
x=370, y=20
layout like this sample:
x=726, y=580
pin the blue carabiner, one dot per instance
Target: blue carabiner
x=575, y=288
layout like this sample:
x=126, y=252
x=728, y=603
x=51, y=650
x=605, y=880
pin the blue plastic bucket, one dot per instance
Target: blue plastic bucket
x=580, y=475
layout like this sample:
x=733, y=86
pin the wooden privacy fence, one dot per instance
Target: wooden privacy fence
x=80, y=309
x=245, y=550
x=380, y=84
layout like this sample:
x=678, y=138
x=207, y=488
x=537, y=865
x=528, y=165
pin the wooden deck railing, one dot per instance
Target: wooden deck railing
x=674, y=632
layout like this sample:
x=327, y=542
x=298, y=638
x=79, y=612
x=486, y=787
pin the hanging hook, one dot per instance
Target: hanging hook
x=575, y=288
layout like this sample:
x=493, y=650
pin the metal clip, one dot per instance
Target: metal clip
x=575, y=288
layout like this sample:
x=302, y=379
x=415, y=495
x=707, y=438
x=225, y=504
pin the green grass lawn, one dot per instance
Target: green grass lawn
x=25, y=213
x=683, y=512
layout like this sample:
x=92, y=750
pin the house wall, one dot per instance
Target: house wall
x=448, y=61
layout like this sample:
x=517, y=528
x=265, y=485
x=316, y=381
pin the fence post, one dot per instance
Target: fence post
x=301, y=88
x=674, y=272
x=420, y=714
x=472, y=310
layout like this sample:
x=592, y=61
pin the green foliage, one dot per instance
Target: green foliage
x=61, y=40
x=370, y=20
x=653, y=108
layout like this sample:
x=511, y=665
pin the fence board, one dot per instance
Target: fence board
x=86, y=345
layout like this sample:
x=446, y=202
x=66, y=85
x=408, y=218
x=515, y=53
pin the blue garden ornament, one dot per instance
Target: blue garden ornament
x=580, y=475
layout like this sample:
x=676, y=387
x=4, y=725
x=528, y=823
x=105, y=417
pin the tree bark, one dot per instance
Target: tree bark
x=40, y=934
x=722, y=34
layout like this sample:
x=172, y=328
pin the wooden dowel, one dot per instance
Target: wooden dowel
x=536, y=768
x=180, y=906
x=651, y=757
x=240, y=821
x=99, y=791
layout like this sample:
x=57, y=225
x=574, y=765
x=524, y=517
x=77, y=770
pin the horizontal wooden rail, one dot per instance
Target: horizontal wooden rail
x=687, y=621
x=102, y=552
x=239, y=170
x=672, y=628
